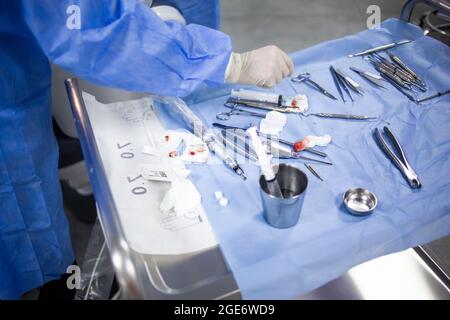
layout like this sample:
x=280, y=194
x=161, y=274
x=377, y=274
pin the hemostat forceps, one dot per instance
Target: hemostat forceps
x=306, y=77
x=399, y=160
x=237, y=111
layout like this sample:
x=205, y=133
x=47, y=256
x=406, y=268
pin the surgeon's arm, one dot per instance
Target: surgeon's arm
x=124, y=44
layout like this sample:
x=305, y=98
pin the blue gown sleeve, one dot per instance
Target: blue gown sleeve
x=124, y=44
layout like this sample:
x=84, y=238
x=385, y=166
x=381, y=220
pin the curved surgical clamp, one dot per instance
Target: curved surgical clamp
x=237, y=111
x=399, y=161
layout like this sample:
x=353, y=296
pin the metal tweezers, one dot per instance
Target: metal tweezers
x=340, y=84
x=399, y=161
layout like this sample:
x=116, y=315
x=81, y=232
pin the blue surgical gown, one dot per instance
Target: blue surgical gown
x=120, y=43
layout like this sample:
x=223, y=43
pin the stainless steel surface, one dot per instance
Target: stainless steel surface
x=284, y=212
x=61, y=109
x=401, y=275
x=401, y=64
x=359, y=201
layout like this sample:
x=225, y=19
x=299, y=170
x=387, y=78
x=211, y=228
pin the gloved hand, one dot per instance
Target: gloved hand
x=264, y=67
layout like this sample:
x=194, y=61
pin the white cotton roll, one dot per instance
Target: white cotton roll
x=321, y=141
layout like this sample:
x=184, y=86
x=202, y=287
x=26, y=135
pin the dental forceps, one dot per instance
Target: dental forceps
x=235, y=110
x=398, y=159
x=306, y=77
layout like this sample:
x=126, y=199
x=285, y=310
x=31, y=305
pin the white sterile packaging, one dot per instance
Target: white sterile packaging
x=128, y=135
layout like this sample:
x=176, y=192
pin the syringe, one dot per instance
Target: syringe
x=220, y=151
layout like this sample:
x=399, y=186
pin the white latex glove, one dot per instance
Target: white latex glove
x=264, y=67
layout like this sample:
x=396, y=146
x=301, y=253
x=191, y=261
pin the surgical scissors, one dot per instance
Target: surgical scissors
x=224, y=116
x=306, y=77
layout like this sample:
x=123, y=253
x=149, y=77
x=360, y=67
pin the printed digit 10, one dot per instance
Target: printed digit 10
x=128, y=154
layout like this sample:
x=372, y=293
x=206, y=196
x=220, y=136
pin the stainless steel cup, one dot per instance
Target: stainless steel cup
x=284, y=213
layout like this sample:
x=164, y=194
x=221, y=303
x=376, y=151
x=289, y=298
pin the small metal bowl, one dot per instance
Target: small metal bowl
x=360, y=202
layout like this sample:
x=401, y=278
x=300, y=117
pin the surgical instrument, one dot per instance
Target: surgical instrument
x=232, y=103
x=389, y=72
x=352, y=84
x=380, y=48
x=398, y=159
x=315, y=174
x=291, y=144
x=257, y=96
x=306, y=77
x=436, y=95
x=369, y=76
x=207, y=135
x=219, y=151
x=337, y=82
x=341, y=82
x=394, y=68
x=265, y=98
x=277, y=150
x=340, y=116
x=238, y=144
x=235, y=110
x=389, y=67
x=264, y=163
x=400, y=82
x=282, y=152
